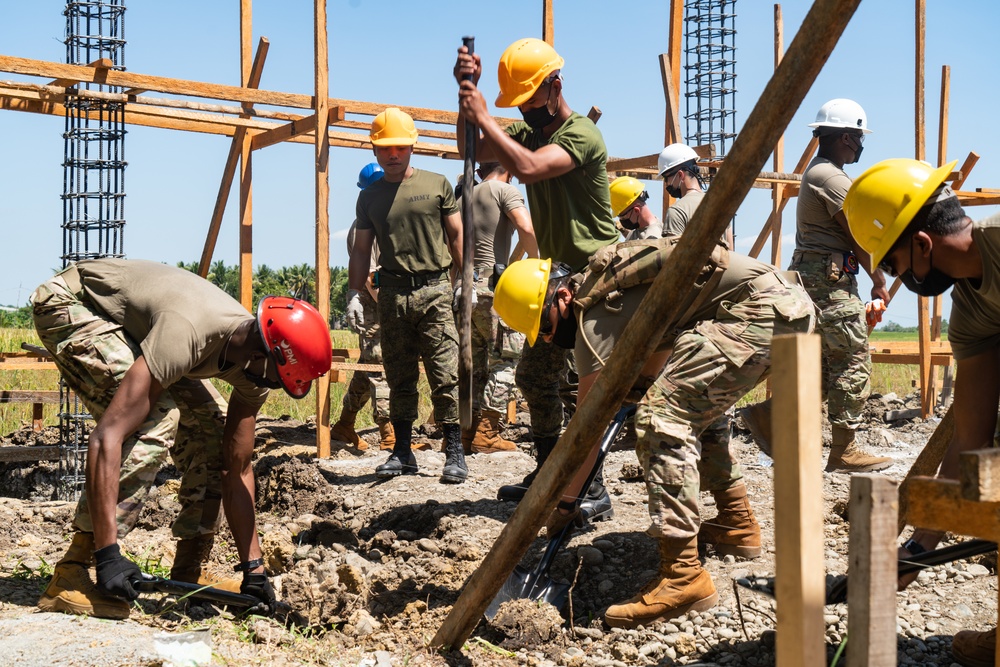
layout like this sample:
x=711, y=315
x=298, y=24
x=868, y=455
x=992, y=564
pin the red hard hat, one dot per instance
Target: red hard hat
x=298, y=340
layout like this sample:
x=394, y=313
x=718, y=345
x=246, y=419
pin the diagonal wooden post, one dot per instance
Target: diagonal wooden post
x=783, y=94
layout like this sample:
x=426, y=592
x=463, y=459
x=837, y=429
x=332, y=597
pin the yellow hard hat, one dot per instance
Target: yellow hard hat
x=393, y=127
x=520, y=295
x=885, y=198
x=523, y=68
x=624, y=191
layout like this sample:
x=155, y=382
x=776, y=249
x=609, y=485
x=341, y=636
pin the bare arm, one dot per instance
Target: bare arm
x=359, y=263
x=525, y=231
x=238, y=479
x=453, y=227
x=128, y=409
x=879, y=290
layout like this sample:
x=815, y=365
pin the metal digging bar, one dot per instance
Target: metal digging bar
x=782, y=96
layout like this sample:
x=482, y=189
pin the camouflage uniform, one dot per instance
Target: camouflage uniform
x=847, y=361
x=495, y=351
x=369, y=385
x=547, y=378
x=94, y=353
x=713, y=364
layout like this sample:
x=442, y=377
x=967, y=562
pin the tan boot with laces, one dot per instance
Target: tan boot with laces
x=847, y=457
x=734, y=531
x=71, y=590
x=189, y=564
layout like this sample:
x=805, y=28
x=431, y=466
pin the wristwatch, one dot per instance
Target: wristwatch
x=914, y=547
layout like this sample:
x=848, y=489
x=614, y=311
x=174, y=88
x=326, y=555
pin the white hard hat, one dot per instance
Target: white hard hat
x=674, y=155
x=842, y=113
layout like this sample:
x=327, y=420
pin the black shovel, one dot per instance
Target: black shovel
x=837, y=591
x=535, y=584
x=153, y=584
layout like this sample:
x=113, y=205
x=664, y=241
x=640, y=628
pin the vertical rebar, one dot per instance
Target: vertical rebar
x=710, y=73
x=93, y=188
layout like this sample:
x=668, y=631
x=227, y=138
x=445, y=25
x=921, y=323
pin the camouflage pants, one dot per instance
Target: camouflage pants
x=546, y=376
x=93, y=353
x=364, y=385
x=847, y=362
x=713, y=365
x=419, y=323
x=495, y=351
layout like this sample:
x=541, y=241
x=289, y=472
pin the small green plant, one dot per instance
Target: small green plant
x=491, y=647
x=22, y=572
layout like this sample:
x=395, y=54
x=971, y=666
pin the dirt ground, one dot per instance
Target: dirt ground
x=371, y=569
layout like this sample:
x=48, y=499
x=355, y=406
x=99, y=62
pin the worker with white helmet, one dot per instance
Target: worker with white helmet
x=628, y=204
x=828, y=258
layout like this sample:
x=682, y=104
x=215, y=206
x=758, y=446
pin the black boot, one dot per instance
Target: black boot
x=401, y=461
x=455, y=471
x=514, y=492
x=596, y=505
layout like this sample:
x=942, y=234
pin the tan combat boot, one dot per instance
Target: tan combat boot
x=71, y=589
x=734, y=531
x=344, y=431
x=487, y=439
x=757, y=420
x=847, y=457
x=189, y=564
x=975, y=649
x=680, y=586
x=387, y=436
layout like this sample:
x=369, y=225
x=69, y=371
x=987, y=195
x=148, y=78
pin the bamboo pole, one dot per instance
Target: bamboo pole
x=783, y=94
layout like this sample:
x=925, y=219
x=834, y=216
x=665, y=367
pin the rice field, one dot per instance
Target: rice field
x=13, y=416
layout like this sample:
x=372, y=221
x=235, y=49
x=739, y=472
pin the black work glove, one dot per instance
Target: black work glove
x=259, y=587
x=115, y=573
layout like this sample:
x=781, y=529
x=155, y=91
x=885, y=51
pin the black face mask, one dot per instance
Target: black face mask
x=857, y=151
x=628, y=224
x=934, y=283
x=261, y=381
x=565, y=334
x=674, y=192
x=538, y=117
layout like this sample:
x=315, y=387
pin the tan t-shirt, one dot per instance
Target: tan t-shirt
x=974, y=326
x=180, y=320
x=603, y=327
x=492, y=202
x=679, y=215
x=821, y=196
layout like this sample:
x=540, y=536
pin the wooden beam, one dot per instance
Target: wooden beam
x=321, y=81
x=28, y=396
x=100, y=63
x=594, y=115
x=778, y=191
x=672, y=128
x=675, y=31
x=798, y=509
x=970, y=161
x=871, y=597
x=246, y=167
x=979, y=474
x=920, y=23
x=34, y=453
x=913, y=359
x=285, y=132
x=927, y=463
x=229, y=170
x=548, y=23
x=935, y=503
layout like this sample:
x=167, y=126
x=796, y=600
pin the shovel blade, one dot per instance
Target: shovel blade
x=531, y=585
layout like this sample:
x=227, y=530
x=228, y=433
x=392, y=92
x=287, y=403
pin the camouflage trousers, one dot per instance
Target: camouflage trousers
x=495, y=351
x=365, y=385
x=93, y=353
x=847, y=361
x=419, y=323
x=712, y=366
x=546, y=376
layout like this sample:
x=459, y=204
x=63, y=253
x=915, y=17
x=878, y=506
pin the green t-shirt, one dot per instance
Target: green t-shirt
x=974, y=326
x=408, y=220
x=571, y=213
x=821, y=196
x=180, y=320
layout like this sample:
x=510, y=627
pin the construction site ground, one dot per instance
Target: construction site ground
x=372, y=568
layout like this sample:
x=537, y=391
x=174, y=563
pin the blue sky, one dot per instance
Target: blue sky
x=402, y=53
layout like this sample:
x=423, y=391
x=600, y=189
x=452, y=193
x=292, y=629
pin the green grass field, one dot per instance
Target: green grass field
x=13, y=416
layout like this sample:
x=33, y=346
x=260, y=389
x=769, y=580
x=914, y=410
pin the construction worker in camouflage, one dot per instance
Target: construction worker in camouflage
x=498, y=211
x=828, y=259
x=413, y=217
x=366, y=385
x=721, y=348
x=628, y=204
x=561, y=158
x=137, y=342
x=910, y=223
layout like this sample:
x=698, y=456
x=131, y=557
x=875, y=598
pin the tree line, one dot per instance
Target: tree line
x=298, y=281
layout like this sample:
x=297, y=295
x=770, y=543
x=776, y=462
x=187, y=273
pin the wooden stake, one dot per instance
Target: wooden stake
x=321, y=69
x=871, y=597
x=246, y=167
x=798, y=518
x=816, y=39
x=778, y=191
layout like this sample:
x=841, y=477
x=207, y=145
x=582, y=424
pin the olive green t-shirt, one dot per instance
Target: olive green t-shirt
x=408, y=220
x=492, y=202
x=603, y=328
x=974, y=326
x=571, y=213
x=180, y=320
x=821, y=196
x=679, y=214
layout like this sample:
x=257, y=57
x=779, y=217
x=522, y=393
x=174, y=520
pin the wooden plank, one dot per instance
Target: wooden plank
x=100, y=63
x=548, y=23
x=672, y=127
x=970, y=161
x=777, y=192
x=928, y=461
x=915, y=359
x=321, y=155
x=246, y=168
x=919, y=121
x=936, y=346
x=935, y=503
x=942, y=156
x=28, y=396
x=285, y=132
x=347, y=353
x=26, y=365
x=924, y=327
x=798, y=516
x=979, y=474
x=35, y=453
x=675, y=31
x=229, y=170
x=594, y=114
x=871, y=597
